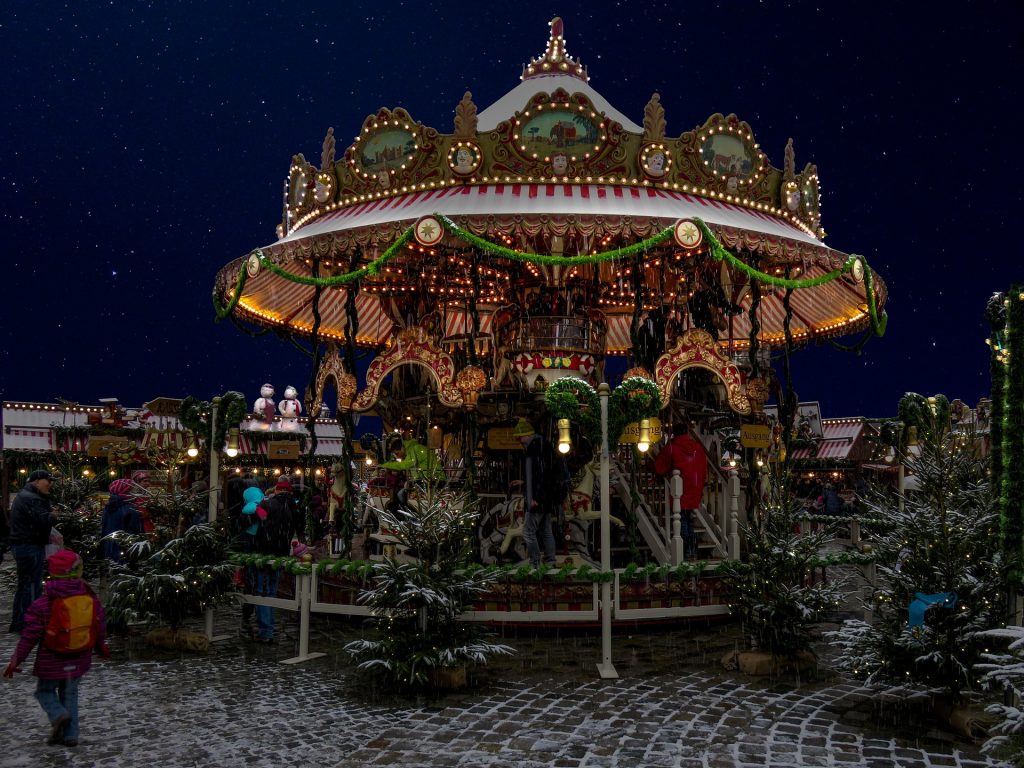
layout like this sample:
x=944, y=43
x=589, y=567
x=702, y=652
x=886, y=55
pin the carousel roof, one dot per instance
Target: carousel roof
x=546, y=200
x=512, y=101
x=551, y=168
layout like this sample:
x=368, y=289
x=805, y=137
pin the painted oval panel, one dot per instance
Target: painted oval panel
x=559, y=132
x=727, y=156
x=387, y=149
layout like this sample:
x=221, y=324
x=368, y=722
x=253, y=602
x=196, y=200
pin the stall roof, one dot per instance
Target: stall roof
x=33, y=427
x=842, y=439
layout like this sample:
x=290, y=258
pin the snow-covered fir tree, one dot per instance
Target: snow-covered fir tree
x=416, y=599
x=1004, y=670
x=772, y=592
x=939, y=573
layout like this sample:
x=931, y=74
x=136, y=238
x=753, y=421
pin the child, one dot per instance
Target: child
x=59, y=672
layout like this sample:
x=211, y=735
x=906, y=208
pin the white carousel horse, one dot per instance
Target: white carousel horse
x=504, y=522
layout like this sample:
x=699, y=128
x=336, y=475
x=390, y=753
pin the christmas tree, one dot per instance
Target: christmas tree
x=418, y=596
x=939, y=572
x=772, y=592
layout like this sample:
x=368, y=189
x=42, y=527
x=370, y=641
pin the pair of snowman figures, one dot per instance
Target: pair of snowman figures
x=290, y=407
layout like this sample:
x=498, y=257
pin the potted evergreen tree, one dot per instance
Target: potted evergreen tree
x=939, y=573
x=772, y=591
x=169, y=581
x=417, y=599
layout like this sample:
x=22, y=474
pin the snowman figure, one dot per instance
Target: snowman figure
x=263, y=408
x=290, y=407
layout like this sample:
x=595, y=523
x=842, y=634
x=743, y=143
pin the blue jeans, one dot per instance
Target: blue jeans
x=538, y=522
x=29, y=558
x=58, y=697
x=266, y=586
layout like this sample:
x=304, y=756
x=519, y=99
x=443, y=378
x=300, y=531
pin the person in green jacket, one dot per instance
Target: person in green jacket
x=419, y=462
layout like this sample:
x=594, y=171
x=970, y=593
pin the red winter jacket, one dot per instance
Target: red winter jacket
x=50, y=665
x=687, y=455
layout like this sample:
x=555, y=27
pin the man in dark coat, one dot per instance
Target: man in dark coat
x=32, y=517
x=545, y=489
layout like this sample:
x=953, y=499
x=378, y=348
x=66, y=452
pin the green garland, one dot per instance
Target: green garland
x=221, y=312
x=1011, y=496
x=195, y=415
x=372, y=268
x=718, y=251
x=292, y=565
x=535, y=258
x=570, y=397
x=634, y=399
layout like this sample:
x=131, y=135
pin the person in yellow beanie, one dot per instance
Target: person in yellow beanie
x=544, y=491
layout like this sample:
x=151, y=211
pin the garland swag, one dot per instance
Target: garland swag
x=718, y=251
x=195, y=415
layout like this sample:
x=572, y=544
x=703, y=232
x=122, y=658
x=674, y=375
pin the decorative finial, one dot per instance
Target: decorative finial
x=555, y=61
x=327, y=153
x=654, y=119
x=465, y=117
x=789, y=169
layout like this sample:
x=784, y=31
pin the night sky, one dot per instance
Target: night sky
x=145, y=146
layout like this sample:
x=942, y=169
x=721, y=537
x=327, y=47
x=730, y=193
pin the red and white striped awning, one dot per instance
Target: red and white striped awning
x=16, y=439
x=549, y=199
x=274, y=301
x=838, y=438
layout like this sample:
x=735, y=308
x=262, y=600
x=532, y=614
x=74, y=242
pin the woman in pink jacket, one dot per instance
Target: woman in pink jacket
x=59, y=673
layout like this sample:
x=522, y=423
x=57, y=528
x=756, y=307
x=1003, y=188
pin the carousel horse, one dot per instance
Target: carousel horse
x=502, y=526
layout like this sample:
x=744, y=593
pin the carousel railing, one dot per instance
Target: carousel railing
x=558, y=334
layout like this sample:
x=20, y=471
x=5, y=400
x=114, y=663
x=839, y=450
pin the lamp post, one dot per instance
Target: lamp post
x=605, y=669
x=214, y=497
x=214, y=450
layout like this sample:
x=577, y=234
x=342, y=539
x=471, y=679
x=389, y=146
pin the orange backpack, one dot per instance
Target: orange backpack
x=73, y=624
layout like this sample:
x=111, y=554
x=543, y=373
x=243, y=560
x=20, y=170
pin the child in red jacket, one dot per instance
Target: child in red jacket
x=59, y=672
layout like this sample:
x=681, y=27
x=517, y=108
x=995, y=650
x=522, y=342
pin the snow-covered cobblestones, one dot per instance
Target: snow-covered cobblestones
x=238, y=706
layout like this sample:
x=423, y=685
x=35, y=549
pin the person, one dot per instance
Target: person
x=832, y=501
x=544, y=491
x=685, y=454
x=32, y=517
x=59, y=673
x=273, y=537
x=5, y=531
x=118, y=515
x=244, y=539
x=420, y=462
x=393, y=480
x=200, y=489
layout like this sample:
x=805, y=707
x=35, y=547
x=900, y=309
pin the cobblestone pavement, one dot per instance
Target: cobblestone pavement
x=674, y=705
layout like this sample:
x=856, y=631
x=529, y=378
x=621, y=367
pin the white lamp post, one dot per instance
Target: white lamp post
x=211, y=509
x=606, y=669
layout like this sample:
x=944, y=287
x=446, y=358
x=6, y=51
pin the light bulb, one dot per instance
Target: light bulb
x=564, y=437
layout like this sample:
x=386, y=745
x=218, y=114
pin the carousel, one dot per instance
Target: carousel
x=454, y=282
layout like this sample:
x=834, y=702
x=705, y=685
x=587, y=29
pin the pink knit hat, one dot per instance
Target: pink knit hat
x=122, y=487
x=64, y=563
